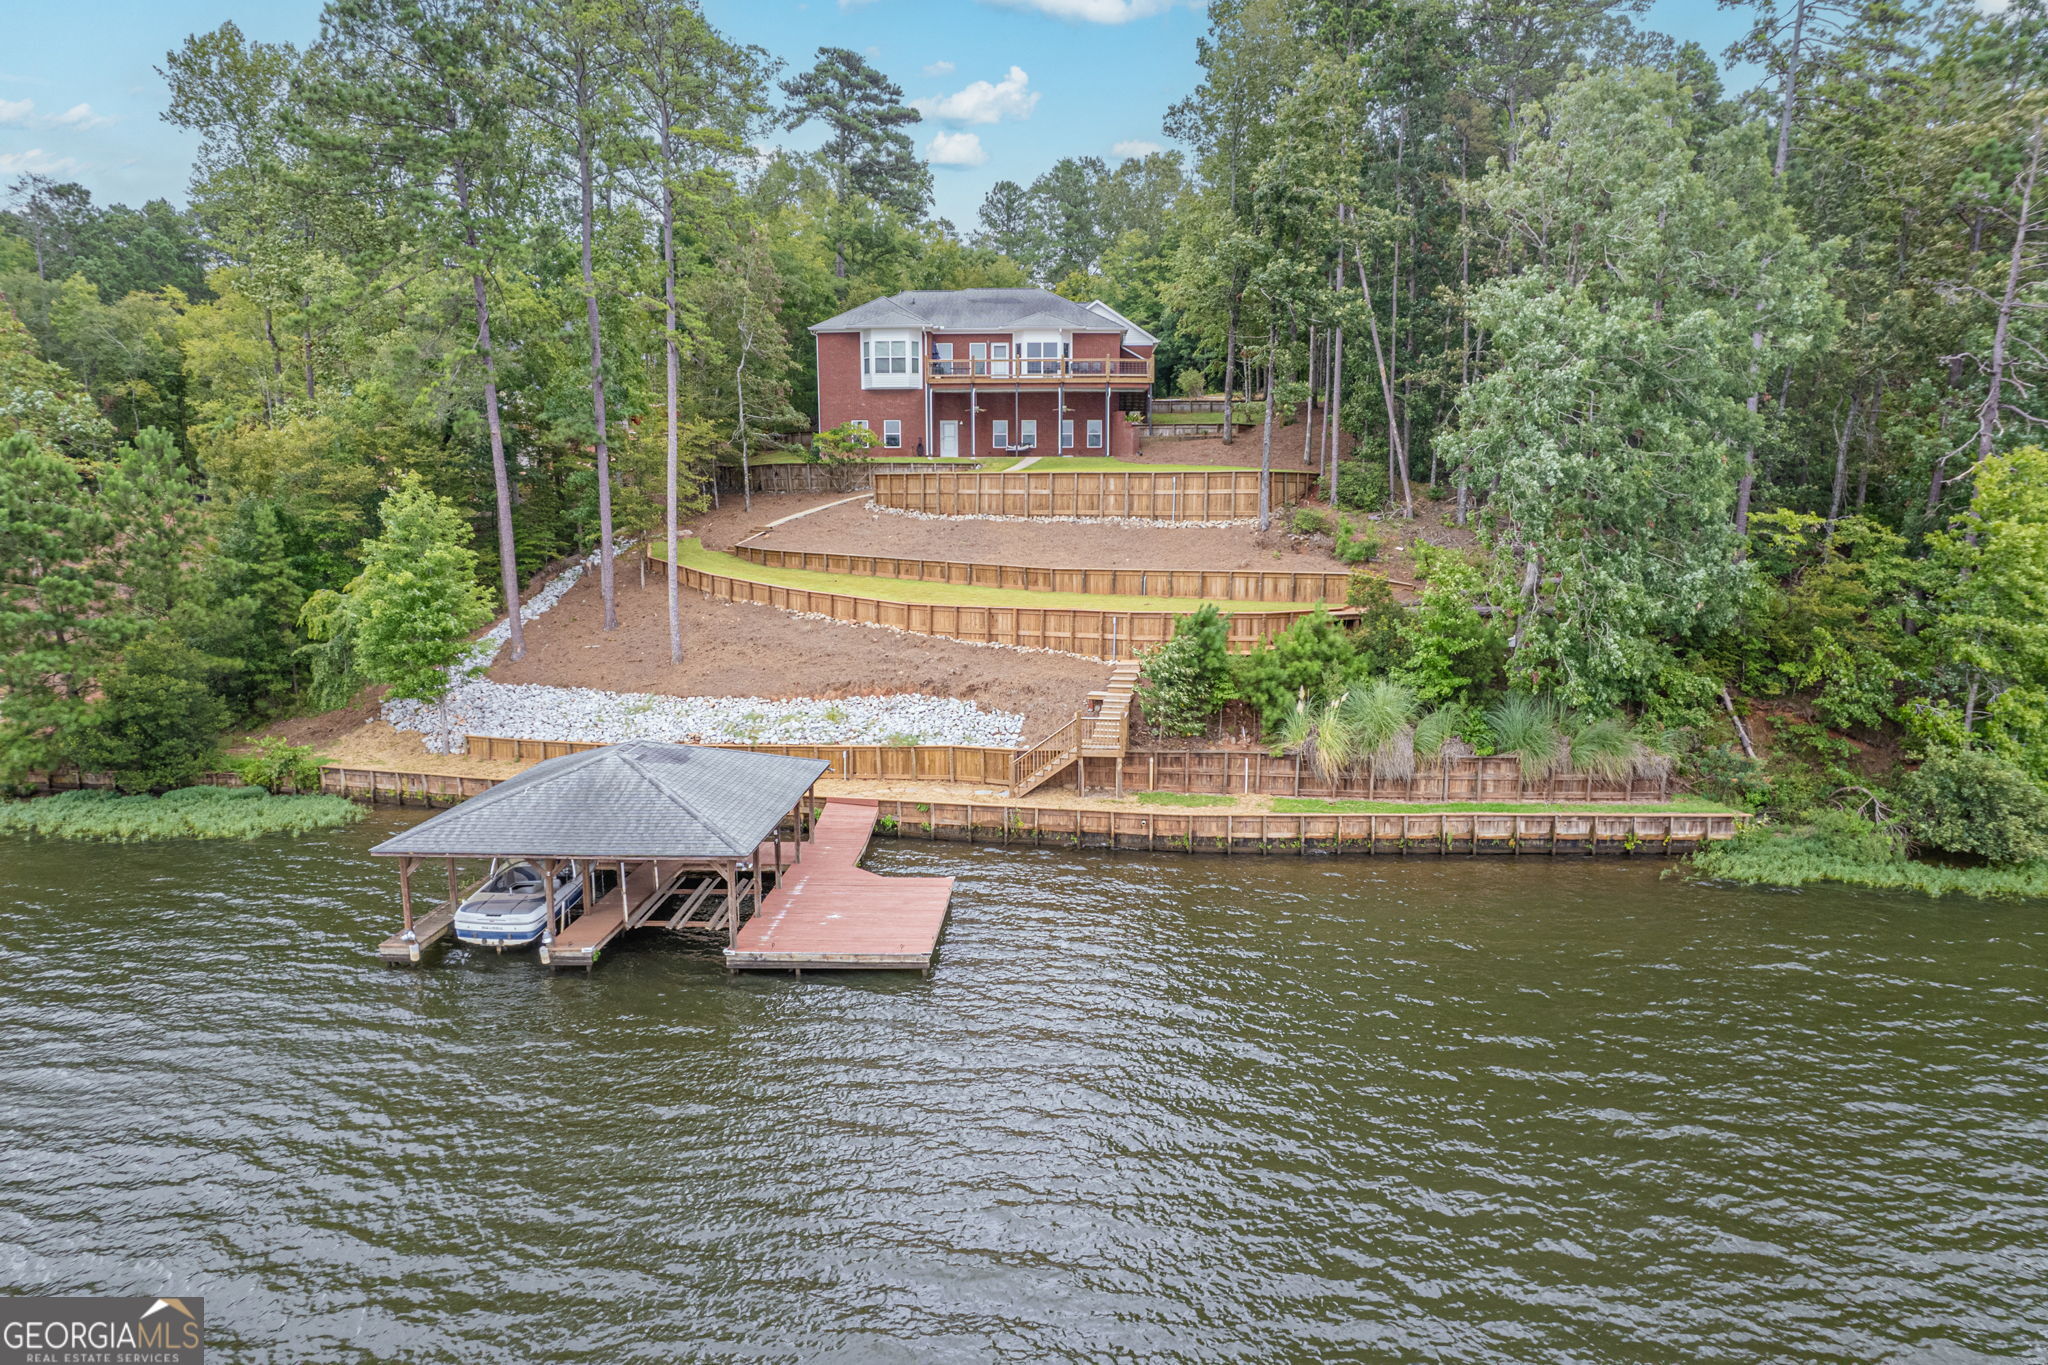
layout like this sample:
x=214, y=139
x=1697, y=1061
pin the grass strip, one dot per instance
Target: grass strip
x=1182, y=799
x=186, y=813
x=691, y=553
x=1308, y=805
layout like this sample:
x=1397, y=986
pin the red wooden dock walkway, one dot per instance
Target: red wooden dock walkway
x=827, y=912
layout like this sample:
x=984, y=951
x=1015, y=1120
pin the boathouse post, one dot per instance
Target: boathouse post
x=405, y=890
x=453, y=887
x=732, y=901
x=548, y=883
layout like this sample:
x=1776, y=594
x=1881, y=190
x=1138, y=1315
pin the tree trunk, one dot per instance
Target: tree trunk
x=1789, y=89
x=1308, y=407
x=1398, y=455
x=603, y=451
x=668, y=285
x=1229, y=367
x=508, y=558
x=1841, y=486
x=1988, y=424
x=1266, y=446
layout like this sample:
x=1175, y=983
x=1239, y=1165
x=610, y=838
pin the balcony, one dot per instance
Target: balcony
x=1120, y=372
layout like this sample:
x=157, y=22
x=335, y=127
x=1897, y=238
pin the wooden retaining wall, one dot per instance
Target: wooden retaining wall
x=1246, y=585
x=1194, y=495
x=1180, y=831
x=1177, y=831
x=1092, y=634
x=811, y=478
x=1237, y=772
x=881, y=762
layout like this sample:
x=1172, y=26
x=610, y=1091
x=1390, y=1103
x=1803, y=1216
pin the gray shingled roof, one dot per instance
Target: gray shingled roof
x=971, y=310
x=640, y=799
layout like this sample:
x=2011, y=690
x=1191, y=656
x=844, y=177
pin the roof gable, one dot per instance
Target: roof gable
x=972, y=310
x=640, y=799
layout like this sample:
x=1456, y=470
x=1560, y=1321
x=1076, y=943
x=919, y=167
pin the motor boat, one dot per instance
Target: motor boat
x=511, y=909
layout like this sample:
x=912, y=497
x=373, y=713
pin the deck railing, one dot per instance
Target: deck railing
x=1038, y=371
x=1037, y=762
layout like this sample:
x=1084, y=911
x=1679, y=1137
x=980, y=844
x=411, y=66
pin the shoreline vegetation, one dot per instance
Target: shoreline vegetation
x=183, y=813
x=1790, y=859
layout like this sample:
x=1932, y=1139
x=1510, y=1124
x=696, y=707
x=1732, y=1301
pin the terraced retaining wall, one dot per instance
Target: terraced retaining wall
x=1192, y=495
x=1242, y=585
x=1240, y=772
x=1092, y=634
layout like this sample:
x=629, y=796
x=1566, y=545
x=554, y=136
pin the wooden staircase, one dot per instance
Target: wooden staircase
x=1102, y=731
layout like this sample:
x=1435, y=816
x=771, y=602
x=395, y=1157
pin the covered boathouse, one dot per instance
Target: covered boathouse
x=693, y=840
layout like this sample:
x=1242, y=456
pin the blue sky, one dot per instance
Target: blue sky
x=1009, y=86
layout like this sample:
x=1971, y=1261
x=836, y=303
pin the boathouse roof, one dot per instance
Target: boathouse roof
x=644, y=798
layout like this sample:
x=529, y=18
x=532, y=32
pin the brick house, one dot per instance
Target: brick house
x=977, y=372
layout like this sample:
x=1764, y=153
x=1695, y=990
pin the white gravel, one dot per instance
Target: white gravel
x=535, y=711
x=477, y=706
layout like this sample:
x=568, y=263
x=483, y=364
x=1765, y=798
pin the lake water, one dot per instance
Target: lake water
x=1157, y=1109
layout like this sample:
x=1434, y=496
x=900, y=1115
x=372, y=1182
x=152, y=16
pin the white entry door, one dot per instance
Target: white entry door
x=949, y=439
x=999, y=359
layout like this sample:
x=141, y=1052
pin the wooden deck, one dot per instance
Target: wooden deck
x=624, y=907
x=827, y=912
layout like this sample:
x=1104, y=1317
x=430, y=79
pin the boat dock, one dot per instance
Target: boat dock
x=826, y=912
x=693, y=840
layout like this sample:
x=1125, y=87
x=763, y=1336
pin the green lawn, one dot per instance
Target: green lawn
x=1182, y=799
x=691, y=551
x=1304, y=805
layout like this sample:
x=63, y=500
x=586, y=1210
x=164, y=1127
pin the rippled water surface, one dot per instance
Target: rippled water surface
x=1148, y=1109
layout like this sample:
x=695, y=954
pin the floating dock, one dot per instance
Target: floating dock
x=827, y=913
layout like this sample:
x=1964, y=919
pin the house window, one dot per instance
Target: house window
x=977, y=356
x=892, y=433
x=1066, y=433
x=1002, y=434
x=942, y=358
x=1095, y=433
x=1040, y=357
x=892, y=357
x=860, y=422
x=1027, y=433
x=864, y=358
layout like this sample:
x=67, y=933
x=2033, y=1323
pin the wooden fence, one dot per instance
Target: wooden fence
x=1192, y=495
x=1092, y=634
x=1215, y=405
x=1442, y=833
x=1242, y=585
x=1228, y=772
x=877, y=762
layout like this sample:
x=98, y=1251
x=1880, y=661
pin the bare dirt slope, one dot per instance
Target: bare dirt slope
x=741, y=650
x=1162, y=448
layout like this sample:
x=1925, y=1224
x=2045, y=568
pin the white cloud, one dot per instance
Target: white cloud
x=982, y=102
x=956, y=149
x=1093, y=11
x=939, y=69
x=22, y=114
x=79, y=116
x=36, y=161
x=1134, y=149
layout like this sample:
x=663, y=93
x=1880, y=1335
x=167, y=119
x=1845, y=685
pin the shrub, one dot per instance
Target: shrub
x=1306, y=521
x=279, y=763
x=158, y=723
x=1361, y=485
x=1530, y=728
x=1191, y=383
x=1352, y=548
x=1187, y=680
x=187, y=813
x=1967, y=801
x=1311, y=660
